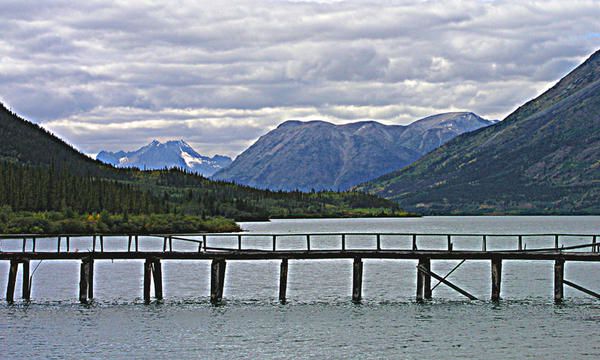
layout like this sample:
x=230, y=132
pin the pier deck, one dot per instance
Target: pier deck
x=220, y=248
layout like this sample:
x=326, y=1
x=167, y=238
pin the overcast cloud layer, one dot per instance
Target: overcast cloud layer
x=114, y=75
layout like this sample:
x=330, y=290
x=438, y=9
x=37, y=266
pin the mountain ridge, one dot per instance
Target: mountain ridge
x=543, y=158
x=319, y=155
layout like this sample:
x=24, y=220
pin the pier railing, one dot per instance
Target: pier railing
x=305, y=242
x=425, y=247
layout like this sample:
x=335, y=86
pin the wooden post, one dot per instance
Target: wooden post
x=423, y=280
x=165, y=244
x=274, y=242
x=94, y=243
x=239, y=242
x=137, y=244
x=449, y=242
x=217, y=280
x=378, y=242
x=157, y=277
x=170, y=243
x=86, y=280
x=496, y=277
x=68, y=243
x=26, y=281
x=559, y=275
x=594, y=248
x=34, y=241
x=414, y=242
x=420, y=287
x=58, y=246
x=12, y=280
x=147, y=280
x=24, y=244
x=101, y=243
x=556, y=242
x=129, y=243
x=307, y=242
x=520, y=242
x=204, y=241
x=283, y=273
x=90, y=280
x=426, y=279
x=484, y=243
x=357, y=280
x=343, y=242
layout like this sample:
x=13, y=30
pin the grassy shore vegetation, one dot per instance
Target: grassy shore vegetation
x=69, y=222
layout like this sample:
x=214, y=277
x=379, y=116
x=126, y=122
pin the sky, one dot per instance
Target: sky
x=219, y=74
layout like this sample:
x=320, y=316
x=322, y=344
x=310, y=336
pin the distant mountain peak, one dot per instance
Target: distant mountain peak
x=168, y=154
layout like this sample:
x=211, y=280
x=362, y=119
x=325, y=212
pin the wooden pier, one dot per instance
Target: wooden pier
x=22, y=249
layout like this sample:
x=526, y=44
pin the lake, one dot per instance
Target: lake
x=319, y=319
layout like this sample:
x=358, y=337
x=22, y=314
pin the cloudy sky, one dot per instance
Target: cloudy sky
x=113, y=75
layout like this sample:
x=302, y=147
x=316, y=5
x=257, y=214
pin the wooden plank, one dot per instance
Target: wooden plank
x=582, y=289
x=559, y=275
x=357, y=275
x=283, y=274
x=12, y=280
x=496, y=278
x=157, y=277
x=448, y=283
x=147, y=280
x=26, y=288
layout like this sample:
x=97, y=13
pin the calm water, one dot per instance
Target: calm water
x=319, y=320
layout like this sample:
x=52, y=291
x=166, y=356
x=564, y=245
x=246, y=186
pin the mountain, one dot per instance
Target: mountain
x=40, y=172
x=157, y=155
x=320, y=155
x=544, y=158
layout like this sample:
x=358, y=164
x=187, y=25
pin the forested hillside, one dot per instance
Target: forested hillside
x=40, y=172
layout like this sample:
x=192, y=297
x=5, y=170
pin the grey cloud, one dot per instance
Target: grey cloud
x=252, y=64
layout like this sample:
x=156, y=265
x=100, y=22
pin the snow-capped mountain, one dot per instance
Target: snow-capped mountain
x=157, y=155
